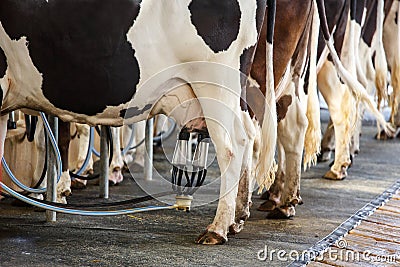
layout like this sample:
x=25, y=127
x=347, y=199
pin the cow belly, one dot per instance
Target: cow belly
x=72, y=60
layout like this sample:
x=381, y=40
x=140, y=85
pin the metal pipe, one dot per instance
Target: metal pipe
x=51, y=194
x=104, y=167
x=148, y=160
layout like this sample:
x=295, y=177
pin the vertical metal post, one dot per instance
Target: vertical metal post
x=148, y=159
x=104, y=158
x=51, y=216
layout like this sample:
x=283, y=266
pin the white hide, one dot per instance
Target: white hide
x=166, y=29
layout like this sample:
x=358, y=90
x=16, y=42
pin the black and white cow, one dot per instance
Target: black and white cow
x=100, y=61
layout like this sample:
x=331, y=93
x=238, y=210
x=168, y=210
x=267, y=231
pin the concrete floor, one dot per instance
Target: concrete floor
x=166, y=238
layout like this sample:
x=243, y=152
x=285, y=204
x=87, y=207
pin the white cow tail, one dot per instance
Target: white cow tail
x=266, y=166
x=380, y=58
x=312, y=141
x=355, y=87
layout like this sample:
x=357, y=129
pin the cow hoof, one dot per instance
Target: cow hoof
x=282, y=213
x=78, y=184
x=115, y=177
x=66, y=193
x=61, y=199
x=265, y=195
x=236, y=228
x=383, y=136
x=330, y=175
x=211, y=238
x=125, y=168
x=297, y=201
x=268, y=205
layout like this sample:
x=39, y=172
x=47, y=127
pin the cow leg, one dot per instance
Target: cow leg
x=340, y=103
x=247, y=181
x=396, y=117
x=115, y=175
x=230, y=140
x=139, y=136
x=355, y=140
x=127, y=132
x=40, y=145
x=274, y=194
x=230, y=158
x=3, y=133
x=328, y=143
x=291, y=132
x=64, y=138
x=83, y=131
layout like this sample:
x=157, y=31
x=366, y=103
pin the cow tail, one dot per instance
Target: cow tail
x=355, y=87
x=312, y=141
x=380, y=58
x=266, y=166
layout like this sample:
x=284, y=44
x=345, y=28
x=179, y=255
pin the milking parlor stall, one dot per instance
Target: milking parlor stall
x=180, y=132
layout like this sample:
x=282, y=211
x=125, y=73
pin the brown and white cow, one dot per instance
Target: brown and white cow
x=297, y=102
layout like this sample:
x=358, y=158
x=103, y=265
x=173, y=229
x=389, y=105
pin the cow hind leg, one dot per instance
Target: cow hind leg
x=225, y=126
x=340, y=103
x=273, y=195
x=117, y=163
x=247, y=179
x=328, y=143
x=291, y=133
x=3, y=133
x=64, y=138
x=139, y=136
x=83, y=131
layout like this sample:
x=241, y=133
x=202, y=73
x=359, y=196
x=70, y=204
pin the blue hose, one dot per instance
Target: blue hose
x=58, y=161
x=82, y=212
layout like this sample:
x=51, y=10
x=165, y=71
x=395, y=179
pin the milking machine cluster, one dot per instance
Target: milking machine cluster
x=188, y=174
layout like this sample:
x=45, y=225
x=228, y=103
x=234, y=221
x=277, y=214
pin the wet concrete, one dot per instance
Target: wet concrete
x=166, y=238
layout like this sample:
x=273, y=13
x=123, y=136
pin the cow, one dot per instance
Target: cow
x=284, y=195
x=368, y=40
x=343, y=107
x=297, y=102
x=52, y=51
